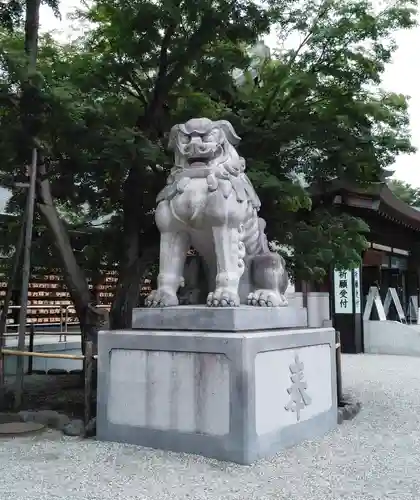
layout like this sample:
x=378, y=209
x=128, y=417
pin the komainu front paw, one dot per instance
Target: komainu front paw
x=161, y=298
x=223, y=297
x=266, y=298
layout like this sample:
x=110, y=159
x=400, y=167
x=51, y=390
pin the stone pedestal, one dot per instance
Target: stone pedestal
x=223, y=319
x=236, y=394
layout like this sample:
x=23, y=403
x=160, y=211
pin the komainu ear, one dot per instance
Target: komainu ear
x=229, y=131
x=172, y=137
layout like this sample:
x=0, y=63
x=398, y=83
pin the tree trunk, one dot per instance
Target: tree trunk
x=31, y=32
x=127, y=292
x=138, y=253
x=90, y=317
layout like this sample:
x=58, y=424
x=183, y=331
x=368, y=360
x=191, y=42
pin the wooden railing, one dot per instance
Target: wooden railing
x=88, y=368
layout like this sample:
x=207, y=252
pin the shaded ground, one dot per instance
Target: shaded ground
x=62, y=393
x=373, y=457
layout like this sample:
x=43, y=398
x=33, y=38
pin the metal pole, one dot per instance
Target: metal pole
x=26, y=271
x=338, y=366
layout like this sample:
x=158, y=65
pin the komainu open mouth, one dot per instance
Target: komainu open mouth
x=198, y=160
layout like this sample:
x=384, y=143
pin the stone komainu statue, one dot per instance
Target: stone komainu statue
x=209, y=203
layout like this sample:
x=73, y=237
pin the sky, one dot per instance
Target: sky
x=400, y=77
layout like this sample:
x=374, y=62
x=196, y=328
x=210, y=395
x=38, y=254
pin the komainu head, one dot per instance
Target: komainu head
x=201, y=142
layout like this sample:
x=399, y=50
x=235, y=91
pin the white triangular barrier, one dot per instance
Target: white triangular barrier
x=374, y=299
x=392, y=297
x=413, y=310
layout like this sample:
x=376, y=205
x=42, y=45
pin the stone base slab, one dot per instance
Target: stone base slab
x=219, y=319
x=229, y=396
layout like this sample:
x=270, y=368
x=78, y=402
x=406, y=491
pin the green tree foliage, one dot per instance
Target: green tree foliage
x=405, y=192
x=102, y=136
x=306, y=115
x=12, y=12
x=321, y=115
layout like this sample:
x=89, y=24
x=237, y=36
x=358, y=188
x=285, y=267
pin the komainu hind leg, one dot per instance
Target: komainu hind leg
x=270, y=281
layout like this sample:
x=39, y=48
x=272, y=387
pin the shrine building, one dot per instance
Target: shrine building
x=392, y=260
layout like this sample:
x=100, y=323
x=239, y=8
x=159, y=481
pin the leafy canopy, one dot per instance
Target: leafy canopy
x=405, y=192
x=309, y=113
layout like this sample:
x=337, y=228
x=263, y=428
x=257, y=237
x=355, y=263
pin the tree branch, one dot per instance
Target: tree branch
x=292, y=60
x=160, y=83
x=192, y=50
x=139, y=94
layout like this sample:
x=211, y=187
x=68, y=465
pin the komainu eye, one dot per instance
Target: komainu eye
x=209, y=137
x=184, y=138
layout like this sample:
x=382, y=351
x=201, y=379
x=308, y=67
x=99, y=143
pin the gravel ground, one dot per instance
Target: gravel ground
x=375, y=456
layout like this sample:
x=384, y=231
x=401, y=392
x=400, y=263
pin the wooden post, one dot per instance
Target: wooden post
x=31, y=51
x=26, y=271
x=11, y=281
x=27, y=354
x=31, y=348
x=88, y=372
x=338, y=363
x=2, y=385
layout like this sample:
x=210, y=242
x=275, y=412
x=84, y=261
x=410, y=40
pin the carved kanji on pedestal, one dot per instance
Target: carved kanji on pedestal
x=299, y=398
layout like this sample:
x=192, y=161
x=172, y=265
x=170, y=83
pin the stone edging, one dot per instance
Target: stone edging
x=348, y=409
x=55, y=420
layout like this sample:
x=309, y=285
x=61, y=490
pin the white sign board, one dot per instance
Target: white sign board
x=357, y=291
x=343, y=291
